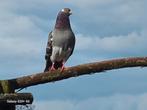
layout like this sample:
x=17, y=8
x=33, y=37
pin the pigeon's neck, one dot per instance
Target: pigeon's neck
x=62, y=21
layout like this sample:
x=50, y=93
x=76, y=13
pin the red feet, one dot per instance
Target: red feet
x=62, y=68
x=52, y=68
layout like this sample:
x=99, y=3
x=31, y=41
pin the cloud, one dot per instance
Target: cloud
x=20, y=36
x=11, y=46
x=27, y=30
x=99, y=17
x=110, y=17
x=114, y=102
x=131, y=44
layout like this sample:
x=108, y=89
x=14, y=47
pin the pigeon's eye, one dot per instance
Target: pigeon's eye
x=68, y=10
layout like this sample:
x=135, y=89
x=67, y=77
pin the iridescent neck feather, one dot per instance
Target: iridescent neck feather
x=62, y=21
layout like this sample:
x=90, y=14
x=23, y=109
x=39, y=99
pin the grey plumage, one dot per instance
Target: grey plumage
x=48, y=52
x=61, y=42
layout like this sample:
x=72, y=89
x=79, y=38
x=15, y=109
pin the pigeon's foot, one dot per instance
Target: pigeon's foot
x=52, y=67
x=62, y=68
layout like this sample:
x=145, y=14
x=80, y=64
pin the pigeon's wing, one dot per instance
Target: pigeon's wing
x=48, y=52
x=49, y=46
x=69, y=47
x=72, y=44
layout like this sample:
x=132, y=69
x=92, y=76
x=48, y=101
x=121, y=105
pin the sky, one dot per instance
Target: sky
x=104, y=29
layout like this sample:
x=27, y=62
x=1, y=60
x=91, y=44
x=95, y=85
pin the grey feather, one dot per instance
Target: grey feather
x=48, y=52
x=63, y=44
x=49, y=46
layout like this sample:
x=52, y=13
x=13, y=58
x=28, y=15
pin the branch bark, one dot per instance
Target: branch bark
x=84, y=69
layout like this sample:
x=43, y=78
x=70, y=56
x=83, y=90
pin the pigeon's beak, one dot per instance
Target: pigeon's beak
x=70, y=13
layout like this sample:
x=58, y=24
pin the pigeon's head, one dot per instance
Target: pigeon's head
x=62, y=20
x=66, y=11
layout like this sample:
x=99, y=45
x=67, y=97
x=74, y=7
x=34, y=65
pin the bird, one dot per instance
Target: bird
x=61, y=42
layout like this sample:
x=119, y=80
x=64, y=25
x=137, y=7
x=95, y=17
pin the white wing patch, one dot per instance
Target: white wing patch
x=59, y=55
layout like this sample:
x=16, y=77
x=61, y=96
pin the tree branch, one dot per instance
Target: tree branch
x=78, y=70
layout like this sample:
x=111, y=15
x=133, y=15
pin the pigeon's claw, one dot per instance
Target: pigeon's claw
x=63, y=67
x=52, y=67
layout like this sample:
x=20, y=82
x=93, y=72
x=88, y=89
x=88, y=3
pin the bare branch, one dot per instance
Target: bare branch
x=78, y=70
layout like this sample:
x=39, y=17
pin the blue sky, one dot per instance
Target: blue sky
x=104, y=29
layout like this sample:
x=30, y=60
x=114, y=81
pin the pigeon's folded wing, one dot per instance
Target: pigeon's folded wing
x=49, y=46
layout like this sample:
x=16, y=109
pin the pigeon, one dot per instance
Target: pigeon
x=61, y=42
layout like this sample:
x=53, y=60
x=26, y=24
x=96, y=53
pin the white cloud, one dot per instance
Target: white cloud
x=56, y=105
x=22, y=41
x=20, y=35
x=24, y=31
x=111, y=17
x=92, y=3
x=114, y=102
x=18, y=46
x=132, y=43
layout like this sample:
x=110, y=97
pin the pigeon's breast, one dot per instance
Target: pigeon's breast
x=62, y=38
